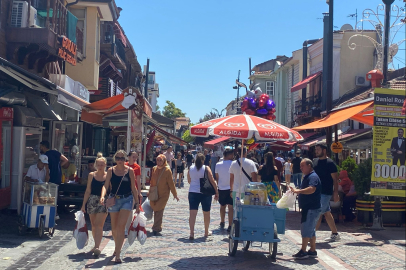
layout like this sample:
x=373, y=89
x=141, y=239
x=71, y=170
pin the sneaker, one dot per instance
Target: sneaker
x=229, y=229
x=333, y=238
x=222, y=225
x=56, y=217
x=300, y=255
x=312, y=253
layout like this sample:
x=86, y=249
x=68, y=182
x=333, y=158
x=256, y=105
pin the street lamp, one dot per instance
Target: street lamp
x=388, y=4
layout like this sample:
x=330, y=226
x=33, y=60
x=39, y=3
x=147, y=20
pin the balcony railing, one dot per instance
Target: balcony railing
x=47, y=18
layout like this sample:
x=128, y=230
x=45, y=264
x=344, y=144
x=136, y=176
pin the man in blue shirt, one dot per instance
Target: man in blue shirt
x=309, y=202
x=55, y=161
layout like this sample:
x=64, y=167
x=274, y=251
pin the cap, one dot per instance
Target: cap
x=298, y=152
x=44, y=159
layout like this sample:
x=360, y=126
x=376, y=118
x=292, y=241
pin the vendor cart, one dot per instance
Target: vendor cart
x=39, y=208
x=257, y=223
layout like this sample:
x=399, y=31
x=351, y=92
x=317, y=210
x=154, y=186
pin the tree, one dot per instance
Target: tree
x=186, y=137
x=219, y=114
x=171, y=111
x=208, y=116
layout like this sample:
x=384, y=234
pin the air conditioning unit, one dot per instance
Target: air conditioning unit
x=361, y=81
x=19, y=14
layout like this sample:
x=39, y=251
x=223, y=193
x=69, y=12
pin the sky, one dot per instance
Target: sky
x=197, y=47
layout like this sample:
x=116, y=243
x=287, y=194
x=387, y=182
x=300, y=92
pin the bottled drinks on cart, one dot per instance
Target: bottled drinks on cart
x=255, y=194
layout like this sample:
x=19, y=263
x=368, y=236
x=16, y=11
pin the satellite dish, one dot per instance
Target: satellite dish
x=346, y=27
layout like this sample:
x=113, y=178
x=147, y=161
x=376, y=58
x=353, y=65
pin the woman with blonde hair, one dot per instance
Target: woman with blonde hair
x=121, y=179
x=96, y=211
x=161, y=177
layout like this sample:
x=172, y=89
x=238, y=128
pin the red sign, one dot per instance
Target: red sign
x=6, y=113
x=95, y=92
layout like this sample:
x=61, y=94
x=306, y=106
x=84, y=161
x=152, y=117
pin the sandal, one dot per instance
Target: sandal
x=208, y=234
x=191, y=238
x=92, y=250
x=114, y=254
x=118, y=261
x=96, y=252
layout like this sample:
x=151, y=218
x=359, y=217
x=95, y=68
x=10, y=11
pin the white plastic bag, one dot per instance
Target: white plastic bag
x=80, y=232
x=137, y=229
x=287, y=201
x=148, y=212
x=142, y=233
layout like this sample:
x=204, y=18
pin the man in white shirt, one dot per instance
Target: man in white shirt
x=38, y=172
x=280, y=158
x=223, y=184
x=238, y=179
x=169, y=157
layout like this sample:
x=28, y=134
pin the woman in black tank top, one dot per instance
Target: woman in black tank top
x=96, y=211
x=121, y=179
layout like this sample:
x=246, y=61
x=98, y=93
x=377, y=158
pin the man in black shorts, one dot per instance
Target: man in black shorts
x=223, y=183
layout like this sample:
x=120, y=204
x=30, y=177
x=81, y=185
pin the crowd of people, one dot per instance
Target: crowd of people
x=117, y=190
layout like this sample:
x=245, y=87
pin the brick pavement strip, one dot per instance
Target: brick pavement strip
x=173, y=250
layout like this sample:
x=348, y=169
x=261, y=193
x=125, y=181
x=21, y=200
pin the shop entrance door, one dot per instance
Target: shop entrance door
x=67, y=139
x=5, y=160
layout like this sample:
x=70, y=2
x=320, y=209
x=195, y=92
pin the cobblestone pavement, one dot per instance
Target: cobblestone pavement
x=358, y=249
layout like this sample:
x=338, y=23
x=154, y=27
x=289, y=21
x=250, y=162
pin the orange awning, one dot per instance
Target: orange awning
x=94, y=112
x=302, y=84
x=212, y=143
x=336, y=117
x=365, y=117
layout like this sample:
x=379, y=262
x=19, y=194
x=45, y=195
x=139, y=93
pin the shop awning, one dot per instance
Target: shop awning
x=41, y=107
x=365, y=117
x=168, y=136
x=212, y=143
x=302, y=84
x=70, y=100
x=336, y=117
x=352, y=134
x=282, y=145
x=94, y=112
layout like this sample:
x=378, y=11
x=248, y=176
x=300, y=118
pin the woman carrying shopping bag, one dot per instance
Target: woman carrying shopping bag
x=161, y=185
x=123, y=195
x=268, y=175
x=96, y=211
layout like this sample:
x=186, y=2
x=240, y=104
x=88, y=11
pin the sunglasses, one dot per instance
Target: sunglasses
x=120, y=158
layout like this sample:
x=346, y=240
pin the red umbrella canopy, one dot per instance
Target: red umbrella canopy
x=244, y=126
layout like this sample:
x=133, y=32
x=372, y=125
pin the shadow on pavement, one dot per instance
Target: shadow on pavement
x=99, y=264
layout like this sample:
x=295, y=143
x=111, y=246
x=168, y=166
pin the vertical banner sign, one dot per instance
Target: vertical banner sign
x=136, y=132
x=389, y=144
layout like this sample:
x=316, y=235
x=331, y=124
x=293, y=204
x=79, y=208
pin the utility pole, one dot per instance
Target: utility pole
x=329, y=97
x=146, y=80
x=238, y=93
x=388, y=4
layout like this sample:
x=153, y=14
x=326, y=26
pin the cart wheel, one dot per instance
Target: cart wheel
x=273, y=247
x=246, y=245
x=51, y=231
x=232, y=244
x=41, y=228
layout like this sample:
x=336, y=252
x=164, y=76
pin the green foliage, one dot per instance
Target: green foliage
x=208, y=116
x=171, y=111
x=362, y=177
x=349, y=165
x=186, y=137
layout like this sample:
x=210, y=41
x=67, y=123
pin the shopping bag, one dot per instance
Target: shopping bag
x=80, y=232
x=142, y=233
x=287, y=201
x=137, y=229
x=148, y=212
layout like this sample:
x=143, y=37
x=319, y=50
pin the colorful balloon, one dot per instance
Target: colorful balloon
x=261, y=103
x=252, y=103
x=273, y=110
x=269, y=104
x=262, y=111
x=249, y=111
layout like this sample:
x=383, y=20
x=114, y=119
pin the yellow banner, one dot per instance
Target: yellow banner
x=389, y=144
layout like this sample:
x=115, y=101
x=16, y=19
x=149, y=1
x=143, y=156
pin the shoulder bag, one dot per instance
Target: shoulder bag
x=246, y=174
x=111, y=201
x=206, y=188
x=153, y=191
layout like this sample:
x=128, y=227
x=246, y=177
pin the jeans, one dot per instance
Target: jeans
x=297, y=179
x=308, y=228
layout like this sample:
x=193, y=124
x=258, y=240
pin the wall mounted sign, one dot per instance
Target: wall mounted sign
x=67, y=51
x=336, y=147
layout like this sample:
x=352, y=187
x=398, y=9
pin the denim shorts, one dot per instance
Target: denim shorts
x=195, y=199
x=308, y=228
x=122, y=204
x=325, y=203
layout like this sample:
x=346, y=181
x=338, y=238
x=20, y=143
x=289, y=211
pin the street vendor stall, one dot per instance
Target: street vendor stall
x=254, y=220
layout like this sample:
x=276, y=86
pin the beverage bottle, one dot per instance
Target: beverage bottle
x=256, y=199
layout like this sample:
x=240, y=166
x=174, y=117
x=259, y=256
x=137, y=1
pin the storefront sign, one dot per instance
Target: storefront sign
x=6, y=113
x=336, y=147
x=136, y=132
x=67, y=51
x=389, y=144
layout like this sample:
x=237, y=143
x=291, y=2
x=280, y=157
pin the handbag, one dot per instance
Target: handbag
x=153, y=191
x=111, y=201
x=206, y=188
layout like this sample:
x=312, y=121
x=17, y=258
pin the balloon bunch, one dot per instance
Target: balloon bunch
x=261, y=106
